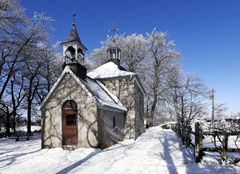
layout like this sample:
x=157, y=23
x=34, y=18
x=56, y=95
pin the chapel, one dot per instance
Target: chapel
x=95, y=109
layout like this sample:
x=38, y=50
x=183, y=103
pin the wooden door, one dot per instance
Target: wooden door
x=70, y=131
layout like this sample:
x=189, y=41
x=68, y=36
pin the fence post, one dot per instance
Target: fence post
x=226, y=142
x=198, y=142
x=225, y=146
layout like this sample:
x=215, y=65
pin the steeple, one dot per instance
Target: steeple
x=74, y=52
x=114, y=52
x=73, y=36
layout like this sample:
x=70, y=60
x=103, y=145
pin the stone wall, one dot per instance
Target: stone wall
x=69, y=89
x=124, y=88
x=111, y=127
x=139, y=110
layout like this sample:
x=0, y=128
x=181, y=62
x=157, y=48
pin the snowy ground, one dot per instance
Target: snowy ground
x=156, y=151
x=33, y=128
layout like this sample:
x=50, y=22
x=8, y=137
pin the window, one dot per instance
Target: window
x=71, y=120
x=114, y=122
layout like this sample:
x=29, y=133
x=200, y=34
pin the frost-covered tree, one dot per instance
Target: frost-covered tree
x=99, y=55
x=134, y=52
x=161, y=59
x=220, y=111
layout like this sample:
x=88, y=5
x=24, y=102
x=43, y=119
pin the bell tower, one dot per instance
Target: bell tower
x=74, y=52
x=114, y=54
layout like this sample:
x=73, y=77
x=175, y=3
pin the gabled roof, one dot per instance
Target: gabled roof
x=109, y=70
x=94, y=88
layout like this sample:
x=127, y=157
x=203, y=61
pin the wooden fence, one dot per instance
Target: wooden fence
x=200, y=135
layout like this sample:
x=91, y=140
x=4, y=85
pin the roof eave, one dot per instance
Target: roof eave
x=66, y=70
x=104, y=106
x=117, y=77
x=65, y=42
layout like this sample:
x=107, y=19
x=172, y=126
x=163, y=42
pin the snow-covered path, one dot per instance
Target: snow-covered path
x=156, y=151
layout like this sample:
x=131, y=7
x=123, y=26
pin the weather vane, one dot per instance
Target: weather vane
x=114, y=29
x=74, y=17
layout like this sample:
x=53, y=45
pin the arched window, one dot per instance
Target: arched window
x=69, y=105
x=70, y=53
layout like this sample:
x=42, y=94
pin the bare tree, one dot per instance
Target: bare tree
x=42, y=70
x=187, y=100
x=13, y=23
x=30, y=90
x=49, y=72
x=17, y=96
x=21, y=39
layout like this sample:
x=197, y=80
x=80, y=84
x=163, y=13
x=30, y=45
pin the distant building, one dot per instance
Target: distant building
x=91, y=110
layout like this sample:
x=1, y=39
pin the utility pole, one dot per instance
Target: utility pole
x=213, y=105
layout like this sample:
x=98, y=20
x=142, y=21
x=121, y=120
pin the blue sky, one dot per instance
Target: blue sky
x=207, y=32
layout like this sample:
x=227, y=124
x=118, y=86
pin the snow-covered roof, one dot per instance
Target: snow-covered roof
x=93, y=87
x=103, y=96
x=109, y=70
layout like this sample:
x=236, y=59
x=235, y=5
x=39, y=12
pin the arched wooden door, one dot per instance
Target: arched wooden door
x=69, y=123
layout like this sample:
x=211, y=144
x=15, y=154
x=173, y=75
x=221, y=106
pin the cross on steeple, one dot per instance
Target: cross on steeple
x=74, y=17
x=114, y=28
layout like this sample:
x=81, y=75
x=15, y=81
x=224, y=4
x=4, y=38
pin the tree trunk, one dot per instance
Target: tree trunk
x=14, y=121
x=10, y=73
x=29, y=105
x=8, y=125
x=29, y=121
x=152, y=110
x=155, y=94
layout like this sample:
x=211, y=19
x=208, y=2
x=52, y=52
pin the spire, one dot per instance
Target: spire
x=74, y=40
x=73, y=36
